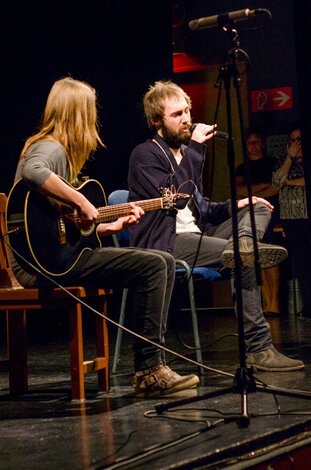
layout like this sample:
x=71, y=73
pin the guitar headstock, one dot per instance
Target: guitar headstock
x=170, y=196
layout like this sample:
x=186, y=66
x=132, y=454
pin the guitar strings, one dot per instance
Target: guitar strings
x=114, y=211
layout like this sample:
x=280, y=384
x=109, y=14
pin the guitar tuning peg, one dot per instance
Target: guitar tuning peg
x=165, y=192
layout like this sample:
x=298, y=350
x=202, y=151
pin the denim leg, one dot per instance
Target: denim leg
x=262, y=216
x=256, y=329
x=257, y=334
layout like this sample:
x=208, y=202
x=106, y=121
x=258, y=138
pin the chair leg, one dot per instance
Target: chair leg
x=17, y=351
x=76, y=353
x=195, y=326
x=103, y=350
x=117, y=350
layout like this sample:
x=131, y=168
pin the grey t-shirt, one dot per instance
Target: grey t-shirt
x=42, y=159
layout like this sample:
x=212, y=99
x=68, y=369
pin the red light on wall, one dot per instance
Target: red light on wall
x=183, y=62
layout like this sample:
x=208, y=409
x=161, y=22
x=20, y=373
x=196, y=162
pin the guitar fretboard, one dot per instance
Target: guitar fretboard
x=120, y=210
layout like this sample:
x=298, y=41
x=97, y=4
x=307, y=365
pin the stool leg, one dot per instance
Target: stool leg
x=76, y=353
x=195, y=325
x=102, y=343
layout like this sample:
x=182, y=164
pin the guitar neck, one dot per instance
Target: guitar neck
x=114, y=211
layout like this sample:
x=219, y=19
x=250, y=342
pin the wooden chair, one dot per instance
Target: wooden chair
x=16, y=300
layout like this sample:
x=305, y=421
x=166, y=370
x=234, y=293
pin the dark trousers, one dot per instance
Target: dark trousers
x=150, y=274
x=207, y=250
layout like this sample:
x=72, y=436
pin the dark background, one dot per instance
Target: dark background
x=109, y=44
x=120, y=47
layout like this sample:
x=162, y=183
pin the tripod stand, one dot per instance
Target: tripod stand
x=244, y=381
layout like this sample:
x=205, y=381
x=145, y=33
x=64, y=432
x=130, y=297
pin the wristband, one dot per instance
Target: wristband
x=289, y=157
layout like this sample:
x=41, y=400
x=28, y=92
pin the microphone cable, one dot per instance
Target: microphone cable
x=259, y=383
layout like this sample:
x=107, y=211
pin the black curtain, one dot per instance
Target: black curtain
x=119, y=47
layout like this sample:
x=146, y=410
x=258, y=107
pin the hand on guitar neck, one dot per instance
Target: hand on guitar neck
x=122, y=223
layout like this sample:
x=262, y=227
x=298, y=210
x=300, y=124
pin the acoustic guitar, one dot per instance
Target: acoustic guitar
x=48, y=233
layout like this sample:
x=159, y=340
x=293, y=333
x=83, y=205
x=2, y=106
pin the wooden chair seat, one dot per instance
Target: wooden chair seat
x=16, y=300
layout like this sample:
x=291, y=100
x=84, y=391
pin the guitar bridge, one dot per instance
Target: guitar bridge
x=62, y=231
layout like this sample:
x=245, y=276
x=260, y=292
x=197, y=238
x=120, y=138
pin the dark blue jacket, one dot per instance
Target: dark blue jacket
x=151, y=169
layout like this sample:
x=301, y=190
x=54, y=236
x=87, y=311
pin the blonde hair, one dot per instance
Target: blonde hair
x=154, y=99
x=70, y=118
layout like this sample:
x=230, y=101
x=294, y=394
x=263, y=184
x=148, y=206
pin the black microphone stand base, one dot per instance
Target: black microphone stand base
x=243, y=384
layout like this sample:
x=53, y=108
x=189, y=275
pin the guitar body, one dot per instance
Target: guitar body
x=40, y=231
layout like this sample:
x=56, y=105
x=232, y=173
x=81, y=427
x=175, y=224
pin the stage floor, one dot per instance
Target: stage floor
x=45, y=430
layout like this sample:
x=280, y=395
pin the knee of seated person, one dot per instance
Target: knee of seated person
x=262, y=211
x=169, y=260
x=162, y=261
x=260, y=206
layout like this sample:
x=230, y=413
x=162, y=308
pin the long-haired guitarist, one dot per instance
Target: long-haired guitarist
x=50, y=161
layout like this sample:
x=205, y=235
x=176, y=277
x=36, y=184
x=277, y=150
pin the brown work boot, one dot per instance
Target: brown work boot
x=269, y=255
x=271, y=360
x=160, y=381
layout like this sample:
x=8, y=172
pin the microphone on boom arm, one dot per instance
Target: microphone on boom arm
x=225, y=18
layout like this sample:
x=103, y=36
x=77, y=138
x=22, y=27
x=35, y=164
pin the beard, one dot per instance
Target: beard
x=175, y=139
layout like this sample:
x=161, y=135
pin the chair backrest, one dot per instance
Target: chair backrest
x=7, y=278
x=120, y=196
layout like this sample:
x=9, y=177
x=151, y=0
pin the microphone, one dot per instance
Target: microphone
x=225, y=18
x=219, y=135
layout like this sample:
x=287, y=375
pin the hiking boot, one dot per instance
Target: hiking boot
x=160, y=381
x=269, y=255
x=271, y=360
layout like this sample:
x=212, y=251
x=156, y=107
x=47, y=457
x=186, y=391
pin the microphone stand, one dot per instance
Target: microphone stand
x=244, y=381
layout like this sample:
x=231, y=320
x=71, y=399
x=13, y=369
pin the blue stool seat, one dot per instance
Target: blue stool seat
x=209, y=274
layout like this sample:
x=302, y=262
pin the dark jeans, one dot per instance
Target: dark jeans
x=256, y=329
x=150, y=274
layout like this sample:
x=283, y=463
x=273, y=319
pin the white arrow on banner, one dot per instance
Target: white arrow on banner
x=283, y=98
